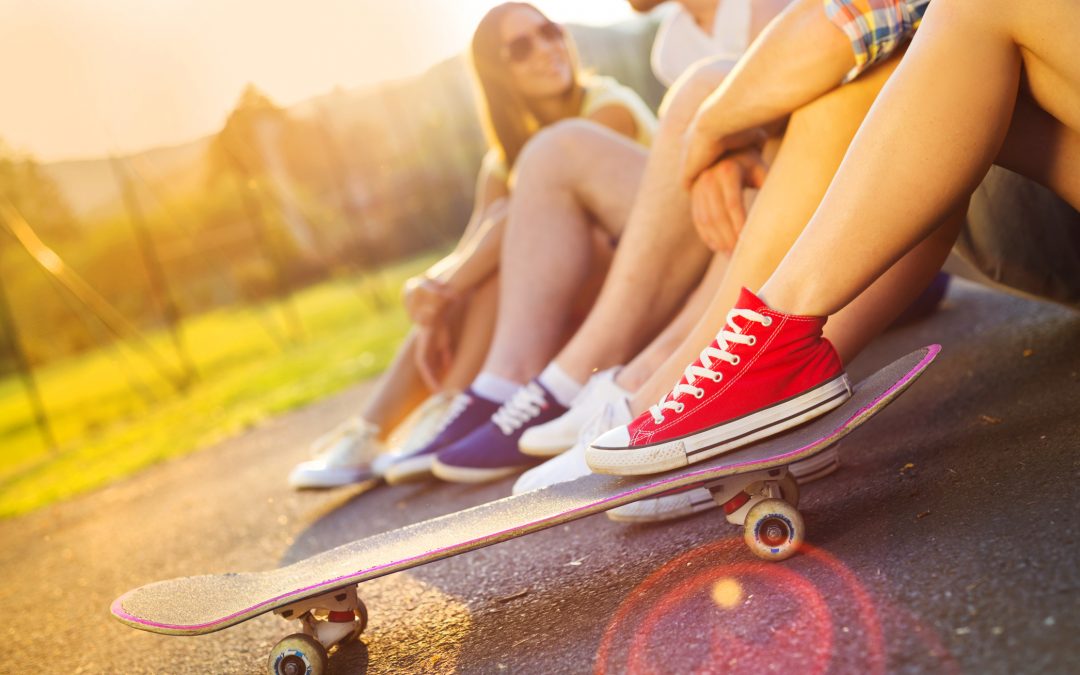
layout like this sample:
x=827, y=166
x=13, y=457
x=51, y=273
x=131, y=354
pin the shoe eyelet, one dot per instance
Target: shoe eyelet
x=767, y=321
x=751, y=341
x=699, y=394
x=735, y=359
x=681, y=408
x=717, y=377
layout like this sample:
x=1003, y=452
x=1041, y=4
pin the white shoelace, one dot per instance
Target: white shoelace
x=601, y=422
x=523, y=406
x=456, y=407
x=330, y=448
x=724, y=339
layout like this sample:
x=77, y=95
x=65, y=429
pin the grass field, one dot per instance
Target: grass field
x=113, y=415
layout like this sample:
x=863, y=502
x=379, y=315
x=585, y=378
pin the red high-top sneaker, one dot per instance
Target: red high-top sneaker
x=764, y=373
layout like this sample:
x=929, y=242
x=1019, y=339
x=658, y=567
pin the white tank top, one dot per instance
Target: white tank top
x=680, y=42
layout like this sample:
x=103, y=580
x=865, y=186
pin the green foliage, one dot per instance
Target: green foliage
x=114, y=416
x=33, y=194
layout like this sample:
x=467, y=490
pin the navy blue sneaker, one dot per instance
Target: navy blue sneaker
x=468, y=411
x=927, y=303
x=491, y=451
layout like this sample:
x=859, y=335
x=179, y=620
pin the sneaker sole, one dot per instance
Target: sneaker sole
x=542, y=451
x=327, y=482
x=409, y=470
x=697, y=447
x=669, y=507
x=817, y=467
x=672, y=507
x=462, y=474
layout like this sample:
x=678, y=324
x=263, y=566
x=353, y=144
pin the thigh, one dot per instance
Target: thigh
x=1048, y=34
x=606, y=173
x=1040, y=147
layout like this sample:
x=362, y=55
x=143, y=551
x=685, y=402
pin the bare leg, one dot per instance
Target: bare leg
x=955, y=90
x=571, y=176
x=473, y=341
x=660, y=258
x=399, y=390
x=813, y=147
x=638, y=371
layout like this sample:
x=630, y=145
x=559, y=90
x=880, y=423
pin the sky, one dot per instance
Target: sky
x=83, y=78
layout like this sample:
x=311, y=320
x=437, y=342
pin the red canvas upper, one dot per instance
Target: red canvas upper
x=790, y=357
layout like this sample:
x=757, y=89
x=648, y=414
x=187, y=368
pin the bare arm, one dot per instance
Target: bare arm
x=617, y=118
x=799, y=56
x=477, y=253
x=475, y=257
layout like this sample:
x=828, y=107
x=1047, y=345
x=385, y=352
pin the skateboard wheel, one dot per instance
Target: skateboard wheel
x=773, y=529
x=361, y=618
x=298, y=654
x=789, y=488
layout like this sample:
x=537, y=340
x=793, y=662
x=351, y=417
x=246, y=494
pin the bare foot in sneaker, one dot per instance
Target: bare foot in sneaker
x=764, y=373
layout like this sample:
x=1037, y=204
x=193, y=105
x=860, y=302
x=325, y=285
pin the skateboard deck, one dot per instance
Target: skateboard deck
x=204, y=604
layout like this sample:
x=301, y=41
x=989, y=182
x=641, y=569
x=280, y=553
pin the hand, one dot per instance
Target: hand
x=433, y=354
x=426, y=299
x=716, y=198
x=705, y=143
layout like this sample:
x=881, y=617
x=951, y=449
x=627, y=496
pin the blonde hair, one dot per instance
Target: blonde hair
x=505, y=115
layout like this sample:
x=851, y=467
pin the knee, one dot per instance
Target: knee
x=685, y=97
x=556, y=150
x=844, y=108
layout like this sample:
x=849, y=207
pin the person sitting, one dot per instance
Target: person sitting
x=982, y=83
x=528, y=79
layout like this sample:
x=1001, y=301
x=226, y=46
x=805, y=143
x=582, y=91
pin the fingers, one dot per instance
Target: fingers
x=426, y=299
x=711, y=200
x=444, y=351
x=700, y=213
x=699, y=153
x=423, y=358
x=757, y=171
x=701, y=150
x=731, y=195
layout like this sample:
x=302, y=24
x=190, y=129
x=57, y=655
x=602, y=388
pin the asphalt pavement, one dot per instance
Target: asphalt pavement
x=948, y=542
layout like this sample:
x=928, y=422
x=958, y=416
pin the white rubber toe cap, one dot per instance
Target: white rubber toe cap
x=611, y=453
x=316, y=474
x=548, y=440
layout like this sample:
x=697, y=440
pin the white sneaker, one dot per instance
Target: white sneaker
x=818, y=466
x=666, y=507
x=421, y=427
x=571, y=464
x=696, y=500
x=555, y=437
x=342, y=456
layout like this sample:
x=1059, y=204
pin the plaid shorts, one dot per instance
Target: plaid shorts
x=876, y=28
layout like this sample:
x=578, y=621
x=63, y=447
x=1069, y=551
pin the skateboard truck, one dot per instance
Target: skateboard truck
x=765, y=503
x=327, y=622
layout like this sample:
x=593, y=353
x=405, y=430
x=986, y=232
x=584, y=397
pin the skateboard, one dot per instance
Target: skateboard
x=751, y=484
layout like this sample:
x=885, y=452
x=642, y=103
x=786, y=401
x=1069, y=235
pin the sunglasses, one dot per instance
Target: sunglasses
x=521, y=48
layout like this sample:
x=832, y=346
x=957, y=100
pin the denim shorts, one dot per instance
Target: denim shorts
x=1024, y=237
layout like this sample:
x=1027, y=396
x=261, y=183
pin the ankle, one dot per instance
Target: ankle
x=563, y=386
x=494, y=387
x=792, y=300
x=632, y=377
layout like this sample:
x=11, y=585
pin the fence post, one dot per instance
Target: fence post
x=22, y=364
x=159, y=286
